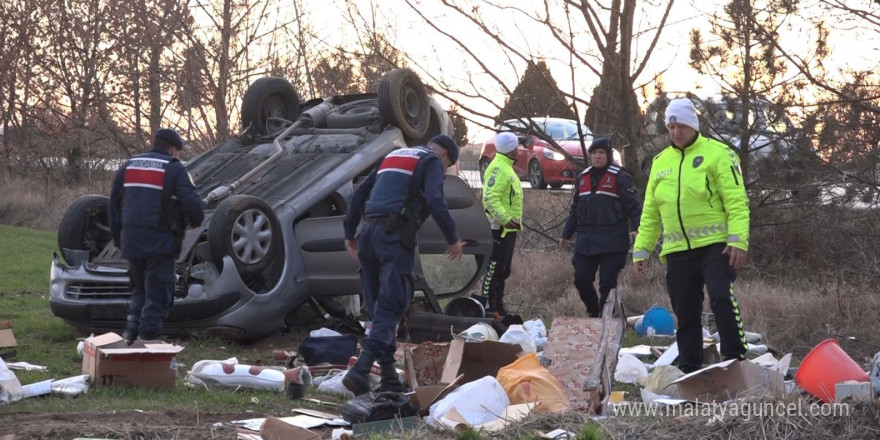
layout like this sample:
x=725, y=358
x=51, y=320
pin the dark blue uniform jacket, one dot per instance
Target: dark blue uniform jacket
x=604, y=208
x=386, y=190
x=152, y=192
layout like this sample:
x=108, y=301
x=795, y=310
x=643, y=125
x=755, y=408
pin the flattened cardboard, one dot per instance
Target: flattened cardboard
x=730, y=379
x=7, y=338
x=275, y=429
x=476, y=360
x=512, y=414
x=110, y=362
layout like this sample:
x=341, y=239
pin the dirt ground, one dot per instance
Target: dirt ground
x=120, y=425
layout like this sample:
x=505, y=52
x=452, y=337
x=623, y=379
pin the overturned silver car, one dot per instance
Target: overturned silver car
x=276, y=196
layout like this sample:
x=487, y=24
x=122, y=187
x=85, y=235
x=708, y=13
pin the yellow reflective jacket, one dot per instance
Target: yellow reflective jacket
x=696, y=197
x=502, y=194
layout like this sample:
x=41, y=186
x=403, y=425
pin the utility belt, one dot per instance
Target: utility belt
x=408, y=225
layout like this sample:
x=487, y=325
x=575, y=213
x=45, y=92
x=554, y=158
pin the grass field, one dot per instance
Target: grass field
x=46, y=340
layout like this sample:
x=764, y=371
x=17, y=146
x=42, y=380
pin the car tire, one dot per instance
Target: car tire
x=354, y=115
x=246, y=229
x=403, y=102
x=536, y=175
x=267, y=104
x=85, y=225
x=484, y=165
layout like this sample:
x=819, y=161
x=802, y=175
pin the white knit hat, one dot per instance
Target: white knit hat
x=682, y=111
x=506, y=142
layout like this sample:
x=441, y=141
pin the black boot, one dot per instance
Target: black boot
x=357, y=380
x=390, y=379
x=131, y=329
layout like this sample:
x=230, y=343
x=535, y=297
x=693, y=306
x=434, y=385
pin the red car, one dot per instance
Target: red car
x=537, y=162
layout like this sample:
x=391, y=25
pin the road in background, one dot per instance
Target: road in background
x=472, y=177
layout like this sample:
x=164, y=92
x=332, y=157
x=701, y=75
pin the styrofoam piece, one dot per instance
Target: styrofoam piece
x=669, y=356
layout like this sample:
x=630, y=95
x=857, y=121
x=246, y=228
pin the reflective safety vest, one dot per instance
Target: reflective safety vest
x=502, y=194
x=696, y=197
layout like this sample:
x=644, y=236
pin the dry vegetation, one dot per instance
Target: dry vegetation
x=797, y=289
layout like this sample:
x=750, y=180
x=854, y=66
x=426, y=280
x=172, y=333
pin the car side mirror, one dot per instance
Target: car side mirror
x=525, y=140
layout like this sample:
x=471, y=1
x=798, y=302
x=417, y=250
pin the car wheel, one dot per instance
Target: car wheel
x=536, y=175
x=85, y=225
x=269, y=104
x=555, y=185
x=403, y=102
x=484, y=165
x=354, y=115
x=246, y=229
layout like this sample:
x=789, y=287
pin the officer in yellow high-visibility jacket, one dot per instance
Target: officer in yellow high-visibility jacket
x=503, y=202
x=696, y=196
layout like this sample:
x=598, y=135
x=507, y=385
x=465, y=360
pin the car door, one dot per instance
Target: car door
x=331, y=271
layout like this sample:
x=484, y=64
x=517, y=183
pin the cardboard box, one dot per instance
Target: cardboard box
x=275, y=429
x=423, y=363
x=476, y=360
x=730, y=379
x=7, y=338
x=110, y=362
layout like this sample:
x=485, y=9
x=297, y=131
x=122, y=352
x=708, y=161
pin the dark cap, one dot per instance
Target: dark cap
x=448, y=144
x=603, y=143
x=170, y=137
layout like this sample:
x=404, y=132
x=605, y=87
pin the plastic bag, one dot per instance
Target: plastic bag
x=477, y=402
x=629, y=369
x=538, y=331
x=10, y=387
x=660, y=381
x=517, y=334
x=334, y=350
x=332, y=384
x=527, y=381
x=324, y=332
x=71, y=386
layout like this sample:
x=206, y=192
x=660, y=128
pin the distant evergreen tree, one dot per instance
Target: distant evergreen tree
x=536, y=95
x=459, y=125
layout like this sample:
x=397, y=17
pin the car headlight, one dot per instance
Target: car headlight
x=553, y=155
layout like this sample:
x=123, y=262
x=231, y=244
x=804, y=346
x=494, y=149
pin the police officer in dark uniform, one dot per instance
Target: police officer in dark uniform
x=394, y=200
x=152, y=202
x=604, y=209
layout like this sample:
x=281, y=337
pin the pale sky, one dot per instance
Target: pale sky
x=852, y=47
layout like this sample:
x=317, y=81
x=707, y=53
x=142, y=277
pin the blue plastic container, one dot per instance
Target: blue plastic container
x=657, y=318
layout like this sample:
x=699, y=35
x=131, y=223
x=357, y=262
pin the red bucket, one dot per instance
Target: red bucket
x=825, y=366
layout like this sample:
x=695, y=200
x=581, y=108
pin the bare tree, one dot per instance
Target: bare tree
x=597, y=40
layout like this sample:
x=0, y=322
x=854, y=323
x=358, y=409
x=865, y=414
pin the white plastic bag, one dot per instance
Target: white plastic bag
x=10, y=387
x=332, y=384
x=538, y=331
x=324, y=331
x=71, y=386
x=478, y=402
x=517, y=334
x=629, y=369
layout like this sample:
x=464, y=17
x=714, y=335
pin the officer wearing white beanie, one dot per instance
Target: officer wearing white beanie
x=506, y=142
x=695, y=198
x=682, y=111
